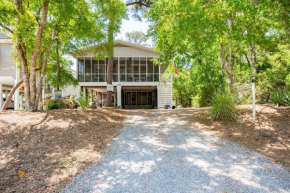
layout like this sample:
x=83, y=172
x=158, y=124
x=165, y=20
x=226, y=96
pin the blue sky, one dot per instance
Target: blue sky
x=128, y=26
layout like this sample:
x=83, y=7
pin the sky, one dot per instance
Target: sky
x=132, y=25
x=128, y=26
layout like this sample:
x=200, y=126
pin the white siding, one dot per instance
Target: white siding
x=132, y=52
x=7, y=64
x=126, y=52
x=164, y=95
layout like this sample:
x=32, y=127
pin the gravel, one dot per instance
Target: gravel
x=155, y=153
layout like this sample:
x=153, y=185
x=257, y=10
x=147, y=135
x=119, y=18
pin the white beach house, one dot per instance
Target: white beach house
x=137, y=82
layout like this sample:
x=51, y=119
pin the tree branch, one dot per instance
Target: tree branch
x=7, y=28
x=139, y=3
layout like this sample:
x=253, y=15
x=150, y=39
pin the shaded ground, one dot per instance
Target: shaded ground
x=160, y=151
x=51, y=147
x=268, y=134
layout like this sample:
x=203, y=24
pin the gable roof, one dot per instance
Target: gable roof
x=128, y=44
x=117, y=43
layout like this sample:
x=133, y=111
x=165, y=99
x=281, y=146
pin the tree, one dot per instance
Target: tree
x=235, y=32
x=137, y=37
x=35, y=26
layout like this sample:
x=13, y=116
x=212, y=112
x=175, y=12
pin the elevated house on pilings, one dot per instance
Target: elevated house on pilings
x=137, y=82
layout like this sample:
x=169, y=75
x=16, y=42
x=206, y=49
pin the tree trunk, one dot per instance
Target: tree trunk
x=42, y=75
x=253, y=59
x=226, y=63
x=110, y=61
x=32, y=79
x=235, y=61
x=8, y=99
x=58, y=64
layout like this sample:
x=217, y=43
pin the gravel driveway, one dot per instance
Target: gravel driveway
x=157, y=153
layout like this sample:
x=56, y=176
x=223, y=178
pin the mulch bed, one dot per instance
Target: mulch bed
x=51, y=147
x=268, y=134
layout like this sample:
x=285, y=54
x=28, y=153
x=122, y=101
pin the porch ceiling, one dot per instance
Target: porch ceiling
x=141, y=88
x=99, y=89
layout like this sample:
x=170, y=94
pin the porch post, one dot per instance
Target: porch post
x=102, y=99
x=92, y=96
x=119, y=93
x=1, y=96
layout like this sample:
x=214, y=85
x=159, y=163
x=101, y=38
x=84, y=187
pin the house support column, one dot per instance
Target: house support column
x=1, y=96
x=119, y=95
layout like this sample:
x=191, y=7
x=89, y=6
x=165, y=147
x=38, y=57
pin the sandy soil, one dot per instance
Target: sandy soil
x=268, y=134
x=51, y=147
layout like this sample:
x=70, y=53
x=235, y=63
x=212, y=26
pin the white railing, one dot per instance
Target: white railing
x=124, y=77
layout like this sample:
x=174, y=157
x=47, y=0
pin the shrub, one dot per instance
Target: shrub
x=287, y=99
x=55, y=104
x=278, y=97
x=223, y=107
x=83, y=103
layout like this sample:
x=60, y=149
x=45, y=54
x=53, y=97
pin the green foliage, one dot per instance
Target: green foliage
x=280, y=97
x=287, y=99
x=192, y=33
x=56, y=104
x=223, y=107
x=66, y=78
x=83, y=103
x=137, y=37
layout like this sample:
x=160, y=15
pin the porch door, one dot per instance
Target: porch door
x=139, y=99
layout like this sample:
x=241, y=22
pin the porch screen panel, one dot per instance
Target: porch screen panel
x=136, y=64
x=88, y=70
x=134, y=100
x=130, y=70
x=129, y=98
x=81, y=76
x=95, y=75
x=150, y=69
x=102, y=71
x=144, y=98
x=115, y=70
x=123, y=69
x=156, y=72
x=149, y=98
x=143, y=69
x=139, y=98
